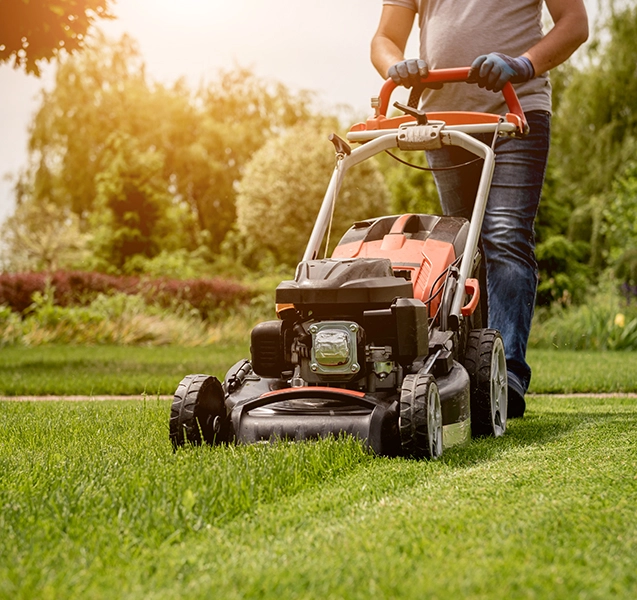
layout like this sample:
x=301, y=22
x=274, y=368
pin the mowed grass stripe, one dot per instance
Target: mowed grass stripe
x=92, y=495
x=109, y=370
x=124, y=370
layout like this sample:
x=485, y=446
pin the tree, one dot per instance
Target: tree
x=594, y=138
x=96, y=93
x=239, y=113
x=35, y=30
x=202, y=139
x=132, y=213
x=620, y=228
x=282, y=188
x=41, y=237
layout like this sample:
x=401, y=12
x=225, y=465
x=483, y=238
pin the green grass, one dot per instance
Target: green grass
x=134, y=370
x=111, y=370
x=569, y=371
x=95, y=505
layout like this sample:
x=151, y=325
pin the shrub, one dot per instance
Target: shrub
x=207, y=296
x=605, y=322
x=282, y=189
x=120, y=319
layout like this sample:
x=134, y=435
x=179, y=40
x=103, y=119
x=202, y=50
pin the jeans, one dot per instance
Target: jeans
x=508, y=236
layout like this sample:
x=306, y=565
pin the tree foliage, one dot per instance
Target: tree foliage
x=283, y=187
x=105, y=138
x=41, y=237
x=132, y=214
x=35, y=30
x=594, y=139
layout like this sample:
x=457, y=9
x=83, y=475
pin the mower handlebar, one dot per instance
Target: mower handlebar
x=450, y=76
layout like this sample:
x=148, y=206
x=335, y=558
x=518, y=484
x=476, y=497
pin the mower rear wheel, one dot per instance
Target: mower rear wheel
x=198, y=412
x=420, y=417
x=486, y=364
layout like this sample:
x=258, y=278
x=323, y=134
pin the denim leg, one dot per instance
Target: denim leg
x=508, y=237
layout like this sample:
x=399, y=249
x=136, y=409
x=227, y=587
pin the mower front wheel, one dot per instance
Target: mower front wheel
x=420, y=417
x=486, y=363
x=198, y=412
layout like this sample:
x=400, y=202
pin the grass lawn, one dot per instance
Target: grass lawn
x=110, y=370
x=570, y=371
x=96, y=505
x=122, y=370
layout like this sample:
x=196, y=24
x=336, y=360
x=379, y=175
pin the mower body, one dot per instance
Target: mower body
x=382, y=340
x=350, y=328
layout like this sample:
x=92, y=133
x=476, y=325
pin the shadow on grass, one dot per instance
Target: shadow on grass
x=532, y=430
x=539, y=428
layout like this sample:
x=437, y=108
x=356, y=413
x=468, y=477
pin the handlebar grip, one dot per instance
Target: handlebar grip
x=451, y=76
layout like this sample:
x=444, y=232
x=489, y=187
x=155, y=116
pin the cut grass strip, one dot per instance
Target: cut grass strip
x=126, y=370
x=114, y=370
x=568, y=372
x=94, y=504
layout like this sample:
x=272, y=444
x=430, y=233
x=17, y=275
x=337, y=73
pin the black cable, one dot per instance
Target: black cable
x=452, y=167
x=442, y=274
x=432, y=169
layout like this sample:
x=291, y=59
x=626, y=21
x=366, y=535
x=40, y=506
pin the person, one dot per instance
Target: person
x=500, y=41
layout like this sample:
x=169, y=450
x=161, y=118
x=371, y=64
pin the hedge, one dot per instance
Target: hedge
x=77, y=288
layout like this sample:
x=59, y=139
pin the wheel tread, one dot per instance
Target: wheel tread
x=413, y=422
x=477, y=361
x=188, y=412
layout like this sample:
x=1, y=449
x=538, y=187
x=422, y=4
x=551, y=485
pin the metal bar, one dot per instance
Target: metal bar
x=457, y=138
x=387, y=142
x=365, y=136
x=342, y=165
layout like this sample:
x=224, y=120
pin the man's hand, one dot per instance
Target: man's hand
x=492, y=71
x=408, y=72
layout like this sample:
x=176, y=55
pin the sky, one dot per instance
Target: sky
x=321, y=46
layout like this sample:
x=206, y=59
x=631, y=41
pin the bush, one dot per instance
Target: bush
x=206, y=296
x=127, y=319
x=605, y=322
x=120, y=319
x=282, y=189
x=564, y=274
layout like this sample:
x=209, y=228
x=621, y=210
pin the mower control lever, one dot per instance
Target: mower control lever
x=419, y=115
x=340, y=145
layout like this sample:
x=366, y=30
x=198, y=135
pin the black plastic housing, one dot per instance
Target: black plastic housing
x=362, y=282
x=412, y=318
x=267, y=349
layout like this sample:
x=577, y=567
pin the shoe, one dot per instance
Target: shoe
x=517, y=405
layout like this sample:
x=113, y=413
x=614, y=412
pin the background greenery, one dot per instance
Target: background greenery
x=128, y=176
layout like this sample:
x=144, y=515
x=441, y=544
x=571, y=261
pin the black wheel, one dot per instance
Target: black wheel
x=486, y=363
x=198, y=412
x=420, y=418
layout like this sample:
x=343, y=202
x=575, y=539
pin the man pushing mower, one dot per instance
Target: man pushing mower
x=503, y=42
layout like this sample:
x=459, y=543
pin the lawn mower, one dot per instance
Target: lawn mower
x=383, y=340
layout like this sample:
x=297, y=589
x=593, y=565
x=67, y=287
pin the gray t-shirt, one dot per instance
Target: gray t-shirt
x=454, y=32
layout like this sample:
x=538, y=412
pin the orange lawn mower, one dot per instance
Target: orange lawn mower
x=382, y=341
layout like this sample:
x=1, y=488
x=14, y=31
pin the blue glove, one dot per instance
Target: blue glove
x=492, y=71
x=408, y=72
